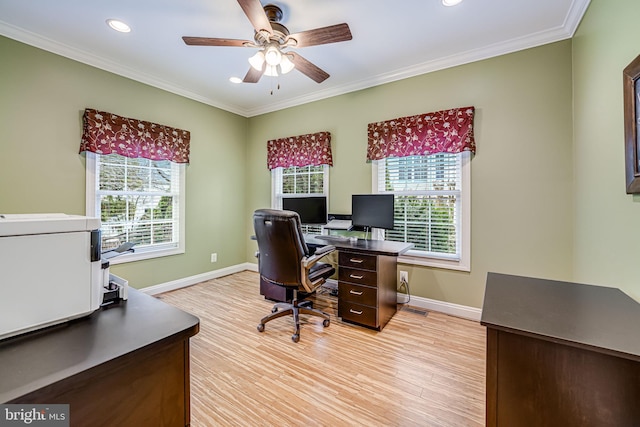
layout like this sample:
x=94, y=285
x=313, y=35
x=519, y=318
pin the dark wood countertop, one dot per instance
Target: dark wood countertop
x=35, y=360
x=379, y=247
x=600, y=318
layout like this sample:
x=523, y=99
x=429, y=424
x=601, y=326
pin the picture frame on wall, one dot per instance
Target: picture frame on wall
x=631, y=93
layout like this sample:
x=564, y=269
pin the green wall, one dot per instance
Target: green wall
x=41, y=104
x=521, y=176
x=606, y=233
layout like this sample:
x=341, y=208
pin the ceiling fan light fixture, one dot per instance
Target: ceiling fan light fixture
x=257, y=60
x=451, y=2
x=272, y=56
x=286, y=65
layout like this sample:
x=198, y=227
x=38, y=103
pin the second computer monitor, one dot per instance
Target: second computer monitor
x=372, y=210
x=312, y=210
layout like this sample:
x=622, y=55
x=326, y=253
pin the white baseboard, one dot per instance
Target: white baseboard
x=192, y=280
x=449, y=308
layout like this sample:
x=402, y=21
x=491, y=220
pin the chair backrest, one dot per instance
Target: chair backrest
x=281, y=246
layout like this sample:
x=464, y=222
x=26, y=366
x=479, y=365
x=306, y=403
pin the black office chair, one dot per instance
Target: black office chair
x=285, y=260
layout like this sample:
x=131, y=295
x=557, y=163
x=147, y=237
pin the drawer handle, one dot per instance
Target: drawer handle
x=357, y=260
x=351, y=310
x=353, y=276
x=355, y=293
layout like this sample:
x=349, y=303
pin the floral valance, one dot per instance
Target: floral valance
x=447, y=131
x=303, y=150
x=106, y=133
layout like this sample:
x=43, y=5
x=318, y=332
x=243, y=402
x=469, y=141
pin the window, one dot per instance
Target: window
x=302, y=181
x=432, y=206
x=139, y=201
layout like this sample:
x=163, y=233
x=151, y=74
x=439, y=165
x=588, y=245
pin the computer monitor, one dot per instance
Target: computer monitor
x=372, y=210
x=312, y=210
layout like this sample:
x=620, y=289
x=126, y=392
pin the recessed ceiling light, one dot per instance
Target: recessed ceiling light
x=235, y=79
x=118, y=25
x=451, y=2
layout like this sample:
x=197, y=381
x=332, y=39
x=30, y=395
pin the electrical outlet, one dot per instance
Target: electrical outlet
x=214, y=257
x=404, y=277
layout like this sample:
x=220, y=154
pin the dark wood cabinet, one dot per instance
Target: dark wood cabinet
x=366, y=287
x=561, y=354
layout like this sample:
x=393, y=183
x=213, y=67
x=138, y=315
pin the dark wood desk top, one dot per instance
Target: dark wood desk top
x=602, y=319
x=378, y=247
x=35, y=360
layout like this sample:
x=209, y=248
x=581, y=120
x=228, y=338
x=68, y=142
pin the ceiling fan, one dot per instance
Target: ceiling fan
x=273, y=39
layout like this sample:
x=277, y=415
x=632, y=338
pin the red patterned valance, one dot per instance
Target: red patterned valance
x=447, y=131
x=303, y=150
x=106, y=133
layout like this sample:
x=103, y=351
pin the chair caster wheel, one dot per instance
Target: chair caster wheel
x=325, y=322
x=260, y=327
x=274, y=310
x=295, y=337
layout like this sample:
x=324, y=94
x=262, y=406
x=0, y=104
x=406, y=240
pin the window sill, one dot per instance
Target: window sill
x=142, y=255
x=424, y=261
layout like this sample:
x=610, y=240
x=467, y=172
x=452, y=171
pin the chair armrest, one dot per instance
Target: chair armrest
x=325, y=250
x=308, y=262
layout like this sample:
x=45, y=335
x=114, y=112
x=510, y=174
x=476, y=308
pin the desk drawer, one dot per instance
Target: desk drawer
x=359, y=277
x=357, y=313
x=354, y=260
x=365, y=295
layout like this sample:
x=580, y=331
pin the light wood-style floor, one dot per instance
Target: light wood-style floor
x=422, y=369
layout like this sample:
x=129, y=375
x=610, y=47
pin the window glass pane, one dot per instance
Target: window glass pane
x=316, y=182
x=112, y=178
x=288, y=184
x=137, y=178
x=302, y=184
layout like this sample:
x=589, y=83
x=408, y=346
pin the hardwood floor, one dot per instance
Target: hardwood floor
x=422, y=369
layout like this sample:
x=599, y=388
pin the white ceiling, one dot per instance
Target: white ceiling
x=392, y=40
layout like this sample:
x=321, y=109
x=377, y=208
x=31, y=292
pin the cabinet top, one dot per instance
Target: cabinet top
x=37, y=359
x=600, y=318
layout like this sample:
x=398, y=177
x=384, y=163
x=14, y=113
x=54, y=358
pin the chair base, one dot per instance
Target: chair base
x=295, y=308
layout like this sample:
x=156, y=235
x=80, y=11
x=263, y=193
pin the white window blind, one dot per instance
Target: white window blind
x=139, y=201
x=301, y=181
x=429, y=198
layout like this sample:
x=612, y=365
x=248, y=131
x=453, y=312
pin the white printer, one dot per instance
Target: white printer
x=51, y=270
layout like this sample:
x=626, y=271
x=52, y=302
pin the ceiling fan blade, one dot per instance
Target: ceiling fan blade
x=256, y=14
x=253, y=75
x=324, y=35
x=307, y=68
x=208, y=41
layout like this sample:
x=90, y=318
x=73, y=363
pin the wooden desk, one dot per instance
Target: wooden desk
x=125, y=365
x=560, y=354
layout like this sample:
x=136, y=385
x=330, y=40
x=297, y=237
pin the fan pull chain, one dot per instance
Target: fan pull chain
x=277, y=87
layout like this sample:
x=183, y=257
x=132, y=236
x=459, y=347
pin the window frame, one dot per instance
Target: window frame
x=415, y=257
x=92, y=209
